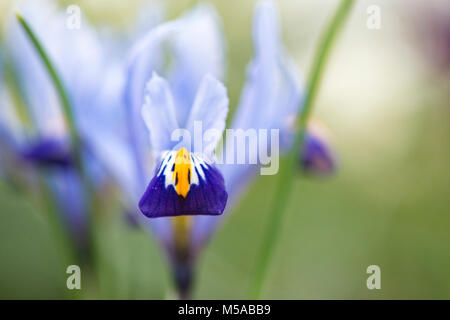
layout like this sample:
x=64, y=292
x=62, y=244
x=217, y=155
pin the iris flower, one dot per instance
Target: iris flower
x=41, y=138
x=171, y=82
x=182, y=181
x=174, y=178
x=186, y=182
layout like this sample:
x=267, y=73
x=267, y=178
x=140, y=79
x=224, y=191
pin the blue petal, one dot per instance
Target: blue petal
x=271, y=95
x=266, y=33
x=192, y=60
x=210, y=108
x=272, y=92
x=159, y=115
x=199, y=49
x=149, y=55
x=145, y=58
x=115, y=156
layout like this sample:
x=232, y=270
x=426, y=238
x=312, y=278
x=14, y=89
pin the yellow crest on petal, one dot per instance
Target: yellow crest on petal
x=182, y=172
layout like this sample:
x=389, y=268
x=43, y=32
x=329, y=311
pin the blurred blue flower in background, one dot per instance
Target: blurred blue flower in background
x=270, y=99
x=48, y=153
x=271, y=96
x=38, y=131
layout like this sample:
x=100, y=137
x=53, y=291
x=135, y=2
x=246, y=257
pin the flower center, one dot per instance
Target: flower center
x=182, y=172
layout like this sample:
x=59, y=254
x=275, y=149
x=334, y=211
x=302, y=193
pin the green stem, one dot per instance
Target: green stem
x=287, y=175
x=63, y=96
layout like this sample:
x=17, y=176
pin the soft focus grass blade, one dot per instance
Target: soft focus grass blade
x=287, y=173
x=18, y=101
x=65, y=102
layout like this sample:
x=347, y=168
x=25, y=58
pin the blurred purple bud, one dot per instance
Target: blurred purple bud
x=318, y=156
x=48, y=153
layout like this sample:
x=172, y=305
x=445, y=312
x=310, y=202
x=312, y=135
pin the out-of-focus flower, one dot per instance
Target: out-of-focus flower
x=270, y=99
x=91, y=73
x=86, y=69
x=48, y=153
x=318, y=156
x=272, y=94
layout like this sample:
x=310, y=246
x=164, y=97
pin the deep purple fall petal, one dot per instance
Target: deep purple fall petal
x=207, y=196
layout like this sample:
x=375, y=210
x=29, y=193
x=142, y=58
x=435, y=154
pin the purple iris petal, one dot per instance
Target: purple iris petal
x=48, y=152
x=206, y=198
x=317, y=157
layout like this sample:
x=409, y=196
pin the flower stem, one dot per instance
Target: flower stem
x=287, y=175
